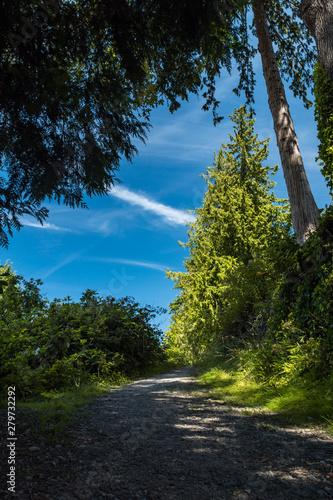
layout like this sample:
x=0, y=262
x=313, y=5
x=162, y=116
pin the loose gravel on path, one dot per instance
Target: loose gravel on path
x=161, y=439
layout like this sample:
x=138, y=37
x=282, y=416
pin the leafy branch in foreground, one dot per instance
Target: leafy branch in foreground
x=78, y=86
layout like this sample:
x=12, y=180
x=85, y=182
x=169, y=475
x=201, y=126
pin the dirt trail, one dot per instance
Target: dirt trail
x=157, y=439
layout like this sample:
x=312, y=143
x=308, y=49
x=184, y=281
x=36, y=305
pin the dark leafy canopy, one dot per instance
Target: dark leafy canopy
x=78, y=80
x=68, y=112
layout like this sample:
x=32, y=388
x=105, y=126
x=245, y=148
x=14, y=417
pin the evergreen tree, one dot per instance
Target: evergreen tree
x=238, y=230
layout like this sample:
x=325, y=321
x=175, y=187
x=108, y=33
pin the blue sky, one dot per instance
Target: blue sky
x=127, y=240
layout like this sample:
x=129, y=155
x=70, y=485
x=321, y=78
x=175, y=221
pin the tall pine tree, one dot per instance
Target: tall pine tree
x=238, y=230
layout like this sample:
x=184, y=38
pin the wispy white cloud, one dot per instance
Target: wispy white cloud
x=108, y=221
x=45, y=225
x=64, y=262
x=105, y=222
x=169, y=214
x=111, y=260
x=189, y=135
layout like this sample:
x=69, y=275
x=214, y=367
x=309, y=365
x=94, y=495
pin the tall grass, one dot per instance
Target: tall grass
x=300, y=401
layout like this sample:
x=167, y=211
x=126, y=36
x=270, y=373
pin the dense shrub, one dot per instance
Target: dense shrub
x=300, y=322
x=305, y=296
x=288, y=360
x=50, y=345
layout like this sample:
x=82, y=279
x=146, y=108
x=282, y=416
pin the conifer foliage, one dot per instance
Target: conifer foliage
x=238, y=231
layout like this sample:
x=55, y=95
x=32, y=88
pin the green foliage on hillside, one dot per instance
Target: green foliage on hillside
x=298, y=332
x=47, y=346
x=248, y=288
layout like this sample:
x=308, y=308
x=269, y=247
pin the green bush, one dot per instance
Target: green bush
x=66, y=372
x=304, y=298
x=53, y=345
x=299, y=332
x=278, y=363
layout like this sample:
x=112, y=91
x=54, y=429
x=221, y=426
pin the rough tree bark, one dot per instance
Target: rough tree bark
x=304, y=211
x=317, y=16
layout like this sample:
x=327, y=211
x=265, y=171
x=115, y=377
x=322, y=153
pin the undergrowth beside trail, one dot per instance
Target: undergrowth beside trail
x=52, y=414
x=301, y=401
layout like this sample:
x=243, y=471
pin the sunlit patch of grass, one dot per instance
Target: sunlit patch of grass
x=306, y=401
x=301, y=401
x=229, y=382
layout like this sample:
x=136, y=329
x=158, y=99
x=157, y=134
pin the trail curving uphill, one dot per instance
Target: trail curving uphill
x=161, y=439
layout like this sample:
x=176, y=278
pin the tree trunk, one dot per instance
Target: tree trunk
x=304, y=211
x=317, y=16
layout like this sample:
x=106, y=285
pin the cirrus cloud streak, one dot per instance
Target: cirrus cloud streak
x=170, y=215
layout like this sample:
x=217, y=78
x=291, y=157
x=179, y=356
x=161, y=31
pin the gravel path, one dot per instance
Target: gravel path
x=160, y=438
